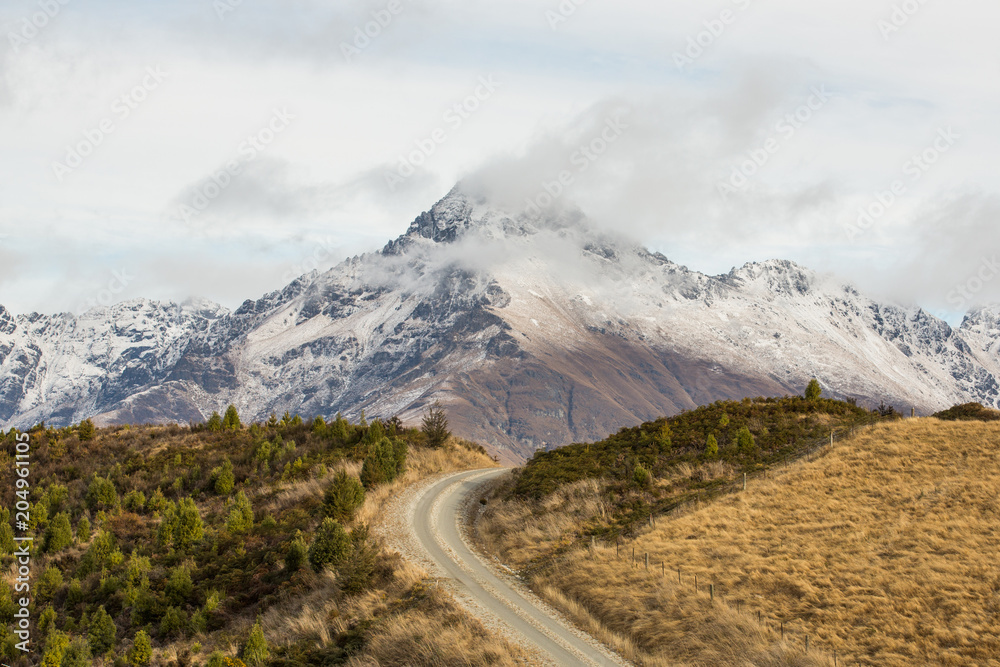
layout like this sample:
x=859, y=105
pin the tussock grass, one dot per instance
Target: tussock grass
x=883, y=548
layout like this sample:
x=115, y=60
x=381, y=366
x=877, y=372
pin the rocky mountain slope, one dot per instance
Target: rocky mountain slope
x=535, y=332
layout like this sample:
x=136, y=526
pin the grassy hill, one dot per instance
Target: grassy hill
x=609, y=488
x=213, y=541
x=881, y=548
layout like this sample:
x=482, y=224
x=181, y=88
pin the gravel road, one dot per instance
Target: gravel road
x=499, y=600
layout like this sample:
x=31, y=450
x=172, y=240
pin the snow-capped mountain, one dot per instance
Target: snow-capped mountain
x=535, y=332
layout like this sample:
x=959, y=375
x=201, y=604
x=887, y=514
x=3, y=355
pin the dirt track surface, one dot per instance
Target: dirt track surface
x=428, y=529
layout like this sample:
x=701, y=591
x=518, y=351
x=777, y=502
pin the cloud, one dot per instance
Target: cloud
x=689, y=130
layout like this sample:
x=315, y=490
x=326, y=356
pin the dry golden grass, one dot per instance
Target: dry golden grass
x=883, y=548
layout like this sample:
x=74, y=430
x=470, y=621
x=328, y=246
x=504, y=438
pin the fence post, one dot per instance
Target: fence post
x=647, y=561
x=807, y=643
x=744, y=481
x=782, y=631
x=678, y=576
x=696, y=582
x=711, y=590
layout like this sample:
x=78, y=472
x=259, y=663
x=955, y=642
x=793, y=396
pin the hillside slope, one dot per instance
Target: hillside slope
x=187, y=536
x=537, y=333
x=881, y=548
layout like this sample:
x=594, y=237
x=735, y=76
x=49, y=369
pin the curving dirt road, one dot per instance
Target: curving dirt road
x=499, y=601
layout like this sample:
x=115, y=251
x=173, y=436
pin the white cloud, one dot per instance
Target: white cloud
x=325, y=177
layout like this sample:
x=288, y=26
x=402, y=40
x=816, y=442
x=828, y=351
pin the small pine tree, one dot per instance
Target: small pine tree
x=298, y=552
x=711, y=447
x=214, y=423
x=231, y=422
x=134, y=501
x=83, y=529
x=255, y=652
x=101, y=634
x=380, y=465
x=46, y=621
x=56, y=646
x=240, y=518
x=101, y=494
x=745, y=442
x=814, y=390
x=50, y=582
x=339, y=429
x=330, y=546
x=724, y=421
x=664, y=437
x=435, y=426
x=189, y=528
x=343, y=497
x=223, y=479
x=641, y=476
x=173, y=622
x=59, y=534
x=86, y=430
x=179, y=586
x=141, y=651
x=77, y=654
x=7, y=544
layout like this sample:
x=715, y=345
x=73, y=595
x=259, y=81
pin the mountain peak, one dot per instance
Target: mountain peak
x=463, y=211
x=778, y=276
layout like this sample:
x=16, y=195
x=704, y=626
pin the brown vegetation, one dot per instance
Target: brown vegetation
x=882, y=548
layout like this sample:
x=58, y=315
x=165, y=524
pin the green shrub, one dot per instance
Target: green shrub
x=343, y=497
x=101, y=494
x=641, y=476
x=189, y=525
x=86, y=430
x=173, y=623
x=141, y=651
x=330, y=546
x=214, y=423
x=255, y=652
x=746, y=444
x=77, y=654
x=969, y=412
x=83, y=529
x=231, y=422
x=134, y=501
x=101, y=634
x=240, y=518
x=814, y=391
x=55, y=649
x=297, y=553
x=223, y=479
x=46, y=621
x=357, y=572
x=711, y=447
x=50, y=582
x=179, y=585
x=59, y=534
x=383, y=462
x=7, y=544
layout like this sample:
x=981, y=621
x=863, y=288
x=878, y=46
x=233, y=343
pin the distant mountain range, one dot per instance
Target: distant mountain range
x=534, y=332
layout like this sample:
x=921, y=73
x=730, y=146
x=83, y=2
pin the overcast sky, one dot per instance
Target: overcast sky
x=720, y=132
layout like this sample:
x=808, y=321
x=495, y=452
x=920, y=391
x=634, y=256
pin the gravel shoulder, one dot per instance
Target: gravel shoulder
x=425, y=525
